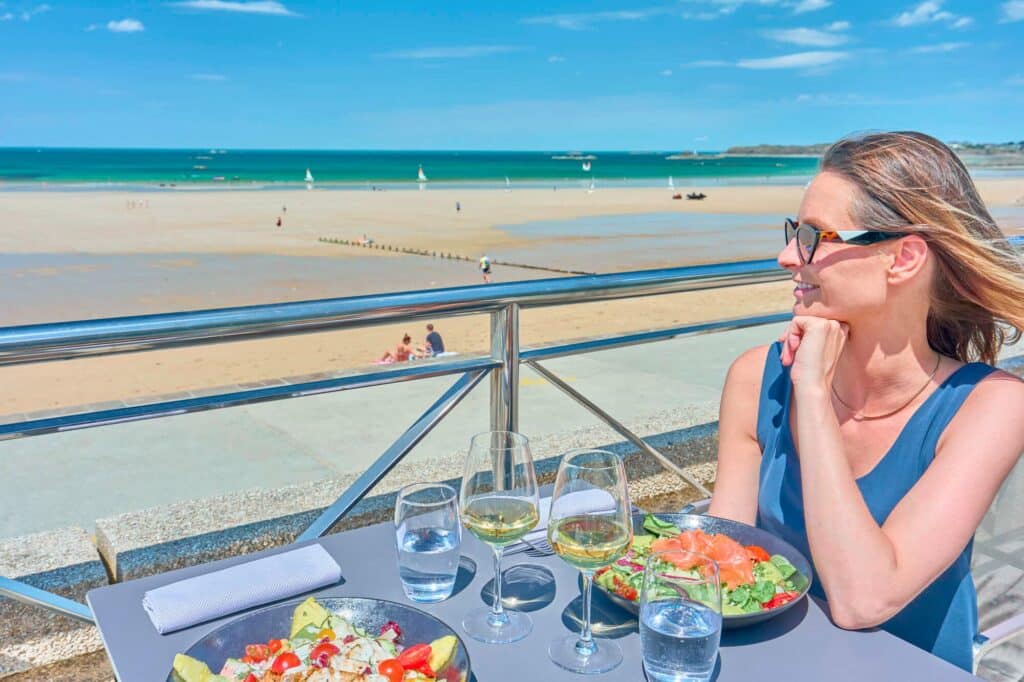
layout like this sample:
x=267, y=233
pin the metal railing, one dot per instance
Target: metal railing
x=91, y=338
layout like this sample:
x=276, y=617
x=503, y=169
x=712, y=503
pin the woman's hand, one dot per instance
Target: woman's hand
x=811, y=347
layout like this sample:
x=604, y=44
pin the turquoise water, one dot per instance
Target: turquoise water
x=28, y=166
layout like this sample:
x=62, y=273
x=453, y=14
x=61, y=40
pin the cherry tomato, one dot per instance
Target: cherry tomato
x=757, y=553
x=780, y=599
x=257, y=652
x=414, y=655
x=324, y=648
x=251, y=678
x=284, y=662
x=275, y=645
x=248, y=660
x=326, y=633
x=391, y=669
x=424, y=668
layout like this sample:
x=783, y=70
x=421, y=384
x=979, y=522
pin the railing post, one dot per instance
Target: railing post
x=505, y=379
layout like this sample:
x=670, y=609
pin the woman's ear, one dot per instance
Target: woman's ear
x=908, y=257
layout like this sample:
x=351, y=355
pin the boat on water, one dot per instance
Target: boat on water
x=508, y=184
x=309, y=179
x=586, y=166
x=421, y=176
x=198, y=167
x=671, y=183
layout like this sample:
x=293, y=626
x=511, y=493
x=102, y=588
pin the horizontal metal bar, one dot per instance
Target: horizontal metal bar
x=419, y=370
x=393, y=455
x=66, y=340
x=608, y=342
x=33, y=596
x=622, y=430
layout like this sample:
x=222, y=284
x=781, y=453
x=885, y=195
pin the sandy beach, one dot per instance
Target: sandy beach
x=87, y=254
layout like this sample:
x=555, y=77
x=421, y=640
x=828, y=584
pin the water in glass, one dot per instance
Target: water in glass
x=679, y=640
x=427, y=537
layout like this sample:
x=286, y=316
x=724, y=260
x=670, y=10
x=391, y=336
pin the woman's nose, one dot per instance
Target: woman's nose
x=788, y=258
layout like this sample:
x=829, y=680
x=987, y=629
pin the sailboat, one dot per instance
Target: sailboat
x=671, y=183
x=586, y=166
x=508, y=184
x=309, y=179
x=421, y=176
x=591, y=189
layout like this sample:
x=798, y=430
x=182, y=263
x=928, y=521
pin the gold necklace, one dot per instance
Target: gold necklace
x=861, y=417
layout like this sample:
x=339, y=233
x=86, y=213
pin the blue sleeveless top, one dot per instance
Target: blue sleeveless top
x=943, y=619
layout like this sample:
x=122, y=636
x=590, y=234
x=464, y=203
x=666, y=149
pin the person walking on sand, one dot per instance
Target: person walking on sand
x=279, y=221
x=485, y=269
x=458, y=207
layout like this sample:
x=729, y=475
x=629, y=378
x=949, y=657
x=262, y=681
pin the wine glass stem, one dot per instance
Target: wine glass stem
x=586, y=646
x=497, y=618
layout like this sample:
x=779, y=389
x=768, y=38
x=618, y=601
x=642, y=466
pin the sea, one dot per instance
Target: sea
x=24, y=167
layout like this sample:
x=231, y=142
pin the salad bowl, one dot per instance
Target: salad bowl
x=744, y=535
x=230, y=639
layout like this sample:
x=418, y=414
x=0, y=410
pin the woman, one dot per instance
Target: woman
x=868, y=436
x=402, y=353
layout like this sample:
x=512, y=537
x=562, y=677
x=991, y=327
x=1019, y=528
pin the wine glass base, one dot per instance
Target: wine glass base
x=479, y=625
x=607, y=656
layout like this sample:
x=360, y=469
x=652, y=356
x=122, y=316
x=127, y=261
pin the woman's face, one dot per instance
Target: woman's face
x=844, y=281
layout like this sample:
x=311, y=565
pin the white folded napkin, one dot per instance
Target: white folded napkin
x=206, y=597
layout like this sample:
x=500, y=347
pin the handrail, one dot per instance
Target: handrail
x=84, y=338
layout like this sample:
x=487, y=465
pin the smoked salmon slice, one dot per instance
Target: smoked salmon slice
x=734, y=565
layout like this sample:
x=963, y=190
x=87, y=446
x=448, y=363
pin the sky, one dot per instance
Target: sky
x=520, y=75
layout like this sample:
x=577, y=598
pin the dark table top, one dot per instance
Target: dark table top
x=800, y=644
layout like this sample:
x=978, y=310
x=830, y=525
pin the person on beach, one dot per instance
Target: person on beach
x=485, y=269
x=434, y=341
x=458, y=207
x=279, y=221
x=403, y=352
x=875, y=433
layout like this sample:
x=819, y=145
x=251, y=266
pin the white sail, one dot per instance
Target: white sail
x=508, y=184
x=671, y=183
x=591, y=190
x=309, y=179
x=586, y=166
x=421, y=176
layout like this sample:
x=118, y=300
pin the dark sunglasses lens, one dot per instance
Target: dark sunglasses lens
x=790, y=230
x=805, y=241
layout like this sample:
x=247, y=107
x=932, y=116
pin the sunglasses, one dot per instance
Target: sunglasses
x=808, y=237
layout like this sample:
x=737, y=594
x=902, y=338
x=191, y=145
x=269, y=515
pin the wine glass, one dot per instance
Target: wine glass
x=500, y=505
x=590, y=527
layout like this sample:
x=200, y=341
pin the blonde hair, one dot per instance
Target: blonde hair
x=911, y=182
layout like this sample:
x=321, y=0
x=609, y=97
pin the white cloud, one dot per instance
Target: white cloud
x=555, y=59
x=810, y=6
x=928, y=12
x=705, y=63
x=463, y=52
x=808, y=37
x=218, y=77
x=828, y=98
x=241, y=6
x=125, y=26
x=838, y=26
x=938, y=47
x=798, y=60
x=1012, y=11
x=38, y=9
x=584, y=20
x=666, y=72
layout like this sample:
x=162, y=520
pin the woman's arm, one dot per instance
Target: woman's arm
x=739, y=454
x=870, y=573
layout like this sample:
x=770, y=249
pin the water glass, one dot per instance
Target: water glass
x=427, y=537
x=680, y=616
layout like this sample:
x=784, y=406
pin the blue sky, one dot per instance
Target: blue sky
x=454, y=74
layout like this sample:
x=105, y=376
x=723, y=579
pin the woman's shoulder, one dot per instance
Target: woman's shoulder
x=991, y=412
x=749, y=366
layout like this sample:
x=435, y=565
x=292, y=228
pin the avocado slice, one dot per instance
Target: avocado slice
x=188, y=669
x=442, y=651
x=308, y=612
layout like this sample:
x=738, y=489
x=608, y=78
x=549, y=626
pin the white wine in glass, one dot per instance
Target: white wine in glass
x=499, y=504
x=590, y=527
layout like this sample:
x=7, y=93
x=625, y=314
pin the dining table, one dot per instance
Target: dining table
x=796, y=645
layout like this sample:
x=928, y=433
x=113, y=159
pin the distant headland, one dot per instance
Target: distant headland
x=977, y=153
